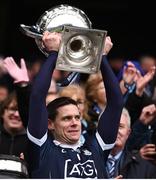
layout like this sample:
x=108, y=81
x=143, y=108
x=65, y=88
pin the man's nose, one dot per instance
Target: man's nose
x=16, y=113
x=74, y=121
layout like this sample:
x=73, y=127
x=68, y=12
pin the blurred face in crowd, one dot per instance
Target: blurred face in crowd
x=101, y=93
x=67, y=125
x=95, y=90
x=3, y=93
x=123, y=132
x=11, y=119
x=57, y=75
x=77, y=94
x=2, y=68
x=52, y=92
x=80, y=99
x=147, y=62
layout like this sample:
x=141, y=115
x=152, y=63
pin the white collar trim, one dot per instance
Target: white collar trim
x=72, y=146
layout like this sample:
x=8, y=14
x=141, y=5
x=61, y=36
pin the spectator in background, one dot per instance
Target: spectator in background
x=147, y=61
x=96, y=96
x=52, y=92
x=2, y=69
x=22, y=84
x=13, y=138
x=123, y=162
x=116, y=63
x=143, y=128
x=131, y=75
x=148, y=147
x=133, y=86
x=4, y=89
x=77, y=93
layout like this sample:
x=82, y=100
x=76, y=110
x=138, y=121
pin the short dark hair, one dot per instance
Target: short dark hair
x=56, y=103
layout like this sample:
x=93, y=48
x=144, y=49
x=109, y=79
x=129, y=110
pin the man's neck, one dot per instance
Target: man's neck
x=115, y=151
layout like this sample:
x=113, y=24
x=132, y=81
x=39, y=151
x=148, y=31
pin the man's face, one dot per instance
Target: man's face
x=67, y=125
x=123, y=132
x=11, y=119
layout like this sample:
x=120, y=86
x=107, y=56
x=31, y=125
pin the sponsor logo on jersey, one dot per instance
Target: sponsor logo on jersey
x=81, y=170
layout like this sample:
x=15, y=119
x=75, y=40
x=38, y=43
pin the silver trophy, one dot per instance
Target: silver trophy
x=81, y=47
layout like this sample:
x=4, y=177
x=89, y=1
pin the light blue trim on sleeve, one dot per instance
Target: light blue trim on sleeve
x=36, y=141
x=102, y=144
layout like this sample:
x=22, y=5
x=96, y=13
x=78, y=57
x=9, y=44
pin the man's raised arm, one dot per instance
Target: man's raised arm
x=109, y=119
x=38, y=116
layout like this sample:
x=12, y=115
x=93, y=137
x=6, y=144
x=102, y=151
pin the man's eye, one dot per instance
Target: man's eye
x=121, y=126
x=77, y=117
x=66, y=118
x=80, y=102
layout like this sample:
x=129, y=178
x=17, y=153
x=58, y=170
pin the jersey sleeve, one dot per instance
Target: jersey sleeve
x=23, y=96
x=38, y=116
x=109, y=119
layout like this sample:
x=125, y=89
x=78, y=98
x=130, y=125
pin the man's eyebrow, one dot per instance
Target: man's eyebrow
x=70, y=116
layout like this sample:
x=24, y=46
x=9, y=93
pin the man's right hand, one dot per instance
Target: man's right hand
x=51, y=41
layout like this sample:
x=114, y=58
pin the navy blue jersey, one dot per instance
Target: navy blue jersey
x=60, y=161
x=50, y=159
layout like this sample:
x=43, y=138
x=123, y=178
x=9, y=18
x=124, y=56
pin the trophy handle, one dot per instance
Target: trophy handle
x=31, y=31
x=34, y=32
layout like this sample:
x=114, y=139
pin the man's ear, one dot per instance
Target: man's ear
x=129, y=131
x=50, y=124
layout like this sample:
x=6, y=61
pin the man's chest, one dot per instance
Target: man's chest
x=68, y=163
